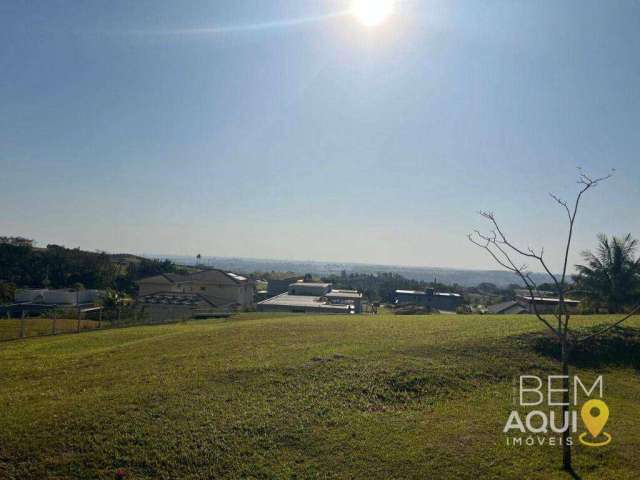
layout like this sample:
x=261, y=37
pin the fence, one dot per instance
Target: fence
x=54, y=324
x=11, y=328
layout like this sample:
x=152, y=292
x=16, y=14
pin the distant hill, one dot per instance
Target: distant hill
x=467, y=278
x=125, y=258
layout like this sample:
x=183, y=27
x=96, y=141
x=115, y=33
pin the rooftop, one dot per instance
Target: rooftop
x=343, y=294
x=310, y=284
x=235, y=276
x=513, y=305
x=302, y=301
x=189, y=277
x=171, y=298
x=419, y=292
x=528, y=298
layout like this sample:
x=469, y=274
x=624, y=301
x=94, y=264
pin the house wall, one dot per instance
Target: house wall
x=155, y=285
x=57, y=297
x=23, y=296
x=300, y=309
x=410, y=298
x=214, y=285
x=356, y=302
x=220, y=293
x=448, y=303
x=545, y=308
x=218, y=288
x=438, y=302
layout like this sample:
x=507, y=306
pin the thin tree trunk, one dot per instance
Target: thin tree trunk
x=566, y=448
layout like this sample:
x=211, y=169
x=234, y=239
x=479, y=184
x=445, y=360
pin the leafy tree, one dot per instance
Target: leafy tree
x=611, y=276
x=7, y=292
x=149, y=268
x=60, y=267
x=487, y=287
x=111, y=299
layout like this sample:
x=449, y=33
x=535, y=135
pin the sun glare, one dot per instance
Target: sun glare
x=372, y=12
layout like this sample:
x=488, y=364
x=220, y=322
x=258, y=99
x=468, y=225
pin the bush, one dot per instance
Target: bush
x=7, y=292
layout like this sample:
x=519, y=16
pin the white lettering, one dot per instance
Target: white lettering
x=576, y=381
x=531, y=390
x=558, y=390
x=543, y=428
x=514, y=422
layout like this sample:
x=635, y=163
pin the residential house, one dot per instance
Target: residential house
x=512, y=307
x=215, y=287
x=313, y=297
x=546, y=304
x=34, y=301
x=345, y=297
x=443, y=301
x=525, y=304
x=163, y=306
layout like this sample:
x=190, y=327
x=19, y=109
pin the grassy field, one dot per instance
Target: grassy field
x=269, y=396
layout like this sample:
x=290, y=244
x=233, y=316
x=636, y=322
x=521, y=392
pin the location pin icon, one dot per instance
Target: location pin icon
x=595, y=414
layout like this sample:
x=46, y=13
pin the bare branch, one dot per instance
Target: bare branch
x=563, y=203
x=490, y=241
x=633, y=312
x=531, y=254
x=588, y=183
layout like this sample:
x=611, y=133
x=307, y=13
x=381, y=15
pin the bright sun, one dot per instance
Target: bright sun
x=372, y=12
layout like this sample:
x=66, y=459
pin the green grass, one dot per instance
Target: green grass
x=272, y=396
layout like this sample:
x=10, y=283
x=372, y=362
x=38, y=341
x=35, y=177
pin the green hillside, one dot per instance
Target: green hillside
x=268, y=396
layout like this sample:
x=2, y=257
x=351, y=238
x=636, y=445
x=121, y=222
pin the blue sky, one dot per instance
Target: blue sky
x=282, y=129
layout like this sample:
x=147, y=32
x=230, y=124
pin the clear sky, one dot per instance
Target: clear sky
x=287, y=129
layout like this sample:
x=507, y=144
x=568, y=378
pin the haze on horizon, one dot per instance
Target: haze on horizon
x=290, y=130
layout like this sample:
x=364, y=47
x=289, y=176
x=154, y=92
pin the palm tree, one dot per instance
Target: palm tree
x=611, y=276
x=111, y=299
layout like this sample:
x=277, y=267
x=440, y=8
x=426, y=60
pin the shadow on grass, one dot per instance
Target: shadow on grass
x=619, y=347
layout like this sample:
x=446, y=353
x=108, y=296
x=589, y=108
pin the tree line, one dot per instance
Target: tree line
x=59, y=267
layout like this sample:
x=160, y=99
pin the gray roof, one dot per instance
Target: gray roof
x=343, y=294
x=235, y=276
x=190, y=277
x=528, y=298
x=174, y=298
x=300, y=301
x=420, y=292
x=511, y=305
